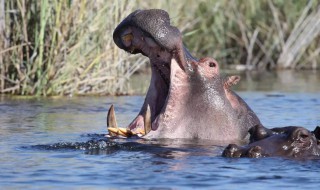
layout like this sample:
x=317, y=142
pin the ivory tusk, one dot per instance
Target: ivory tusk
x=147, y=120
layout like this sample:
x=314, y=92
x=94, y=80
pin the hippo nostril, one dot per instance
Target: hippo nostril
x=231, y=151
x=232, y=147
x=212, y=64
x=255, y=152
x=126, y=39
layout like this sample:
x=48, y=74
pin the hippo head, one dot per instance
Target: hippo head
x=187, y=97
x=292, y=141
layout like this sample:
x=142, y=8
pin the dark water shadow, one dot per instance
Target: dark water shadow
x=98, y=144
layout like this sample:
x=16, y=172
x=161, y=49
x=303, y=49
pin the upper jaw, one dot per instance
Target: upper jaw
x=153, y=22
x=144, y=29
x=134, y=40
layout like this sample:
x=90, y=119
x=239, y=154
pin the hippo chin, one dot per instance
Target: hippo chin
x=188, y=98
x=291, y=142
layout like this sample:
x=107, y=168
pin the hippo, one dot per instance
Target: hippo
x=290, y=142
x=187, y=97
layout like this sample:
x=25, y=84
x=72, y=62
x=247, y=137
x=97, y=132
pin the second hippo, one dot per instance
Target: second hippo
x=290, y=142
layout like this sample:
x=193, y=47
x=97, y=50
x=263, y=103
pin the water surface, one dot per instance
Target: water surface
x=51, y=143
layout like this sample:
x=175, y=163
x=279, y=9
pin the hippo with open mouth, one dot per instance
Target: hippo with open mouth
x=291, y=142
x=187, y=97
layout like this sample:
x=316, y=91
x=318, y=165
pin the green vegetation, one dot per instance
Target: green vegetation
x=65, y=47
x=273, y=34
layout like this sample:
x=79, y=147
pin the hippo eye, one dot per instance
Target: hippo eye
x=212, y=64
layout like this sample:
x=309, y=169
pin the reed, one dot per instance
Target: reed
x=66, y=47
x=265, y=34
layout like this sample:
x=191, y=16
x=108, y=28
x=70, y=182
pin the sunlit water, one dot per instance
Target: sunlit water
x=50, y=143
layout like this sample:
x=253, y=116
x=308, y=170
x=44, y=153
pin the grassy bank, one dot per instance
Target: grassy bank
x=66, y=47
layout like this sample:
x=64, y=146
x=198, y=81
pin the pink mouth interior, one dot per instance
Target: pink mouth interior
x=161, y=80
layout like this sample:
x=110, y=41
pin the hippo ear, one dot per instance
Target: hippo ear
x=259, y=132
x=231, y=80
x=316, y=132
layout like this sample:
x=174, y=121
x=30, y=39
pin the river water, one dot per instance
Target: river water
x=58, y=143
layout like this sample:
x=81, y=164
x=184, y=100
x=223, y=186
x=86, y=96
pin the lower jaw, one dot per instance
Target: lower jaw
x=176, y=88
x=172, y=108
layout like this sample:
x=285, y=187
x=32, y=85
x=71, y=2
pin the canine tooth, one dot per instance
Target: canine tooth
x=147, y=121
x=113, y=128
x=112, y=122
x=111, y=118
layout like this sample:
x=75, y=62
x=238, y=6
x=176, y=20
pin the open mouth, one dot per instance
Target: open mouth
x=149, y=32
x=164, y=64
x=151, y=114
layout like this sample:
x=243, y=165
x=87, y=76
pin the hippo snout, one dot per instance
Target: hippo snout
x=154, y=23
x=254, y=152
x=232, y=151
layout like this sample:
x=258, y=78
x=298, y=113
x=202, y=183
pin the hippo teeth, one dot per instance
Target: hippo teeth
x=112, y=125
x=120, y=132
x=115, y=131
x=112, y=122
x=147, y=121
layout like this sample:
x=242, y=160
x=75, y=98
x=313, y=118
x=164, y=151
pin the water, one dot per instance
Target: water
x=49, y=143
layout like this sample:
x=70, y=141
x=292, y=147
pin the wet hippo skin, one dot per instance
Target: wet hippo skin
x=188, y=97
x=291, y=141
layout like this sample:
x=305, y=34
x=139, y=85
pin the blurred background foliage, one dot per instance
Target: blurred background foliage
x=65, y=47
